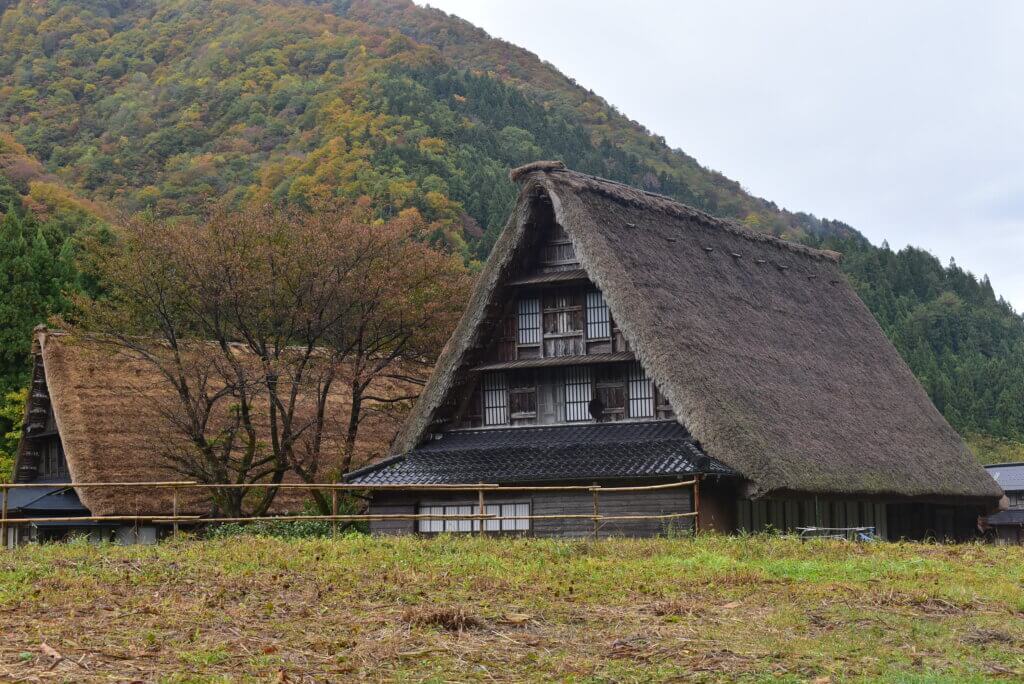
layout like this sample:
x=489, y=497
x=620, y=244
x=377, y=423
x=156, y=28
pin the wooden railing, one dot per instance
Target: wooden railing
x=175, y=519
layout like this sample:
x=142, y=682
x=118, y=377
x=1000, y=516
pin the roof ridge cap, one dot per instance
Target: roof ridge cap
x=617, y=191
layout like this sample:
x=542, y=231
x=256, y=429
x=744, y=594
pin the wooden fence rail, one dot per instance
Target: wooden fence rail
x=175, y=519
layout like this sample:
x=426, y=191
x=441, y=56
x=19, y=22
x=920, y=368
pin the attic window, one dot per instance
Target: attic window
x=51, y=459
x=529, y=321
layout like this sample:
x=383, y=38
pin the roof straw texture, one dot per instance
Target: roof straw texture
x=765, y=351
x=109, y=410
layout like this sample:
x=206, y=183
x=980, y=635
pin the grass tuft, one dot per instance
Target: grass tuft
x=451, y=618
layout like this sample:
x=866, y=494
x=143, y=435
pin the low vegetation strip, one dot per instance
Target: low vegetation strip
x=262, y=609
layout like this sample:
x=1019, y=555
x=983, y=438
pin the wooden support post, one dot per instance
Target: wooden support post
x=174, y=511
x=3, y=519
x=696, y=504
x=482, y=513
x=597, y=509
x=334, y=512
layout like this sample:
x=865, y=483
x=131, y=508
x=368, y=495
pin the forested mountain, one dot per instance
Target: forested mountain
x=169, y=106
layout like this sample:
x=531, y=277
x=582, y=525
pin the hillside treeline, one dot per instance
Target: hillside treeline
x=170, y=108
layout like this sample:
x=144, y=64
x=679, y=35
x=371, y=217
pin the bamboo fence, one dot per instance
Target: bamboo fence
x=175, y=519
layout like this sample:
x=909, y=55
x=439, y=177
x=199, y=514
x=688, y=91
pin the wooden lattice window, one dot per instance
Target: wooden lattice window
x=511, y=517
x=495, y=399
x=522, y=396
x=529, y=321
x=599, y=321
x=562, y=314
x=578, y=393
x=641, y=392
x=610, y=390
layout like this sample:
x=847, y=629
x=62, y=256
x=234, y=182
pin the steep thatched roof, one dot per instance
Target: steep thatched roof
x=111, y=413
x=764, y=350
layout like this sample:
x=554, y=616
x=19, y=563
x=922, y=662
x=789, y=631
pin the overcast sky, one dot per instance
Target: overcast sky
x=903, y=119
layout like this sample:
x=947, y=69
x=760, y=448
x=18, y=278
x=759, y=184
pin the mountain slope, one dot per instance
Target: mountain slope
x=170, y=106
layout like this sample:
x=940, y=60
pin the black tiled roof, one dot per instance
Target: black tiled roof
x=546, y=454
x=1014, y=516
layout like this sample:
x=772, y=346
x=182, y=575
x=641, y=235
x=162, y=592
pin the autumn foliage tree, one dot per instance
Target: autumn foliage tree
x=259, y=318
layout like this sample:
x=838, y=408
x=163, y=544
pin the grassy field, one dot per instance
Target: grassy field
x=466, y=609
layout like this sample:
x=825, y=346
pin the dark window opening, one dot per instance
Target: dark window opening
x=522, y=396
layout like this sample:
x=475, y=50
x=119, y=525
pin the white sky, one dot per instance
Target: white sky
x=904, y=119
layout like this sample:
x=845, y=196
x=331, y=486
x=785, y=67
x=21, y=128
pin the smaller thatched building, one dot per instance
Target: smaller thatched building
x=99, y=415
x=617, y=336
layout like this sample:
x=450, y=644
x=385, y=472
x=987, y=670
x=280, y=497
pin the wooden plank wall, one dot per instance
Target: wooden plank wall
x=656, y=502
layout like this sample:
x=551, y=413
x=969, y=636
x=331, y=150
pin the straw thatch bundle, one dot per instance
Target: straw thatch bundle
x=112, y=409
x=765, y=351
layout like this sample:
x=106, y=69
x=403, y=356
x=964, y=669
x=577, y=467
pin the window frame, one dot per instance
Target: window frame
x=495, y=398
x=506, y=523
x=579, y=391
x=598, y=318
x=529, y=322
x=640, y=393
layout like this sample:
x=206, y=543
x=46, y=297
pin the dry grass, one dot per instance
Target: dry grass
x=255, y=609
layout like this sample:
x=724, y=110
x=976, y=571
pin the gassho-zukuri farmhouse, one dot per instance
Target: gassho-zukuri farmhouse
x=618, y=337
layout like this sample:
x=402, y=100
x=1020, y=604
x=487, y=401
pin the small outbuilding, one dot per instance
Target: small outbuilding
x=618, y=337
x=1007, y=525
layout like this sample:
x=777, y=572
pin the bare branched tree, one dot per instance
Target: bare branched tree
x=260, y=319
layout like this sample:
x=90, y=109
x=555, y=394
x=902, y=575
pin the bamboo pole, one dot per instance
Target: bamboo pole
x=174, y=511
x=482, y=511
x=51, y=485
x=195, y=519
x=645, y=488
x=696, y=504
x=109, y=518
x=334, y=512
x=597, y=508
x=3, y=520
x=345, y=487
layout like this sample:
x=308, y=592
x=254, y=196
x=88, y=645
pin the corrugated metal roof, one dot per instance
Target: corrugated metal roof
x=548, y=453
x=1009, y=476
x=558, y=361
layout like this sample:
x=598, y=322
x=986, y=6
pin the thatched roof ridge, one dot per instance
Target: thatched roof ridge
x=643, y=199
x=108, y=409
x=766, y=353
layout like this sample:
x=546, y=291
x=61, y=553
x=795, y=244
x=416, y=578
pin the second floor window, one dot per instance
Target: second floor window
x=522, y=396
x=599, y=322
x=578, y=393
x=641, y=392
x=495, y=399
